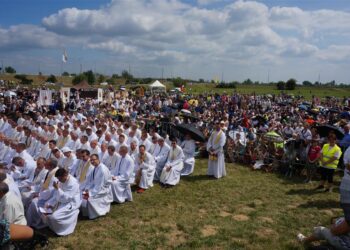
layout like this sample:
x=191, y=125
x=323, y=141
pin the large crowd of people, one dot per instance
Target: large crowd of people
x=62, y=160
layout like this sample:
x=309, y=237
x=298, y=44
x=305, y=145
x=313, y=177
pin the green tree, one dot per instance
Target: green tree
x=24, y=79
x=201, y=80
x=115, y=76
x=281, y=85
x=51, y=78
x=291, y=84
x=247, y=82
x=65, y=73
x=101, y=78
x=79, y=78
x=90, y=77
x=111, y=80
x=126, y=75
x=178, y=82
x=10, y=70
x=307, y=83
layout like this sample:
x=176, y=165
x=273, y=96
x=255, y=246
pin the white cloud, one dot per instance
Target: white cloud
x=26, y=37
x=172, y=33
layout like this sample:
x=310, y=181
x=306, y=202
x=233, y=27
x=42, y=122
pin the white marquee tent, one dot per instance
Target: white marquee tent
x=157, y=86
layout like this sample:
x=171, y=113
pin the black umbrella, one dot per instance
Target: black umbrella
x=195, y=133
x=324, y=130
x=191, y=117
x=260, y=118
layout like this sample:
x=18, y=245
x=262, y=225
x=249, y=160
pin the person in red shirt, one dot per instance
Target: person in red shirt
x=312, y=159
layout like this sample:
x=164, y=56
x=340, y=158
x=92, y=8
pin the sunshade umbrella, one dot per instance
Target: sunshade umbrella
x=324, y=130
x=273, y=137
x=185, y=111
x=193, y=102
x=195, y=133
x=9, y=93
x=303, y=107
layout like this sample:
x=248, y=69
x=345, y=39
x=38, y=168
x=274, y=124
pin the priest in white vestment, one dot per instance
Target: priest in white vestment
x=215, y=147
x=97, y=195
x=145, y=166
x=134, y=150
x=7, y=178
x=111, y=158
x=74, y=142
x=11, y=207
x=189, y=148
x=172, y=170
x=65, y=204
x=122, y=175
x=160, y=155
x=69, y=159
x=34, y=182
x=83, y=169
x=33, y=213
x=22, y=169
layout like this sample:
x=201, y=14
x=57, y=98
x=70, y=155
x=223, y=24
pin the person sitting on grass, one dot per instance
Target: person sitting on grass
x=338, y=235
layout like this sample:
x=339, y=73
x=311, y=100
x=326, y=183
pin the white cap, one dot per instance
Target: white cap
x=66, y=149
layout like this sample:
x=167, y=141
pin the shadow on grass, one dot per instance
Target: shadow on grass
x=304, y=191
x=321, y=204
x=194, y=178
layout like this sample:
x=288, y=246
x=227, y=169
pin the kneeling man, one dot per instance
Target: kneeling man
x=97, y=195
x=122, y=174
x=172, y=170
x=144, y=169
x=65, y=204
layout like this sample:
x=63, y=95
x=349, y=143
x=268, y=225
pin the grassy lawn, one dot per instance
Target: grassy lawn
x=244, y=210
x=200, y=88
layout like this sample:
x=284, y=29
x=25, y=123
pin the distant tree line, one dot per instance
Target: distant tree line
x=93, y=78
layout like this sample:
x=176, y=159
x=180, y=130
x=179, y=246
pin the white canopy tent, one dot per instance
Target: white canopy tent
x=157, y=87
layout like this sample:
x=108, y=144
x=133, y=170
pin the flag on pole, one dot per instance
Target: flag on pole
x=64, y=56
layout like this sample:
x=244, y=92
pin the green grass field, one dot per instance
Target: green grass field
x=200, y=88
x=244, y=210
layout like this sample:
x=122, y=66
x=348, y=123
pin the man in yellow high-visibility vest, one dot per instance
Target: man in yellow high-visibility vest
x=330, y=155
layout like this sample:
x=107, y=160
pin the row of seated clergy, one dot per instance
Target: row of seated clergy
x=60, y=198
x=97, y=186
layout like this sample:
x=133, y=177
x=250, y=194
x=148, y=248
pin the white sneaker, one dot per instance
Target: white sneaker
x=301, y=237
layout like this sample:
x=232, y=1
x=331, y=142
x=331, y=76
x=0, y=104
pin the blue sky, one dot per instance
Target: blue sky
x=192, y=39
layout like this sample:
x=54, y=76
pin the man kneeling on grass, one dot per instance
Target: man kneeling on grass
x=97, y=195
x=172, y=170
x=145, y=167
